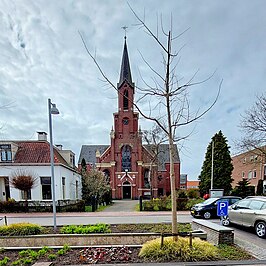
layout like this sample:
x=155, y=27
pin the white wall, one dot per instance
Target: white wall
x=36, y=193
x=2, y=188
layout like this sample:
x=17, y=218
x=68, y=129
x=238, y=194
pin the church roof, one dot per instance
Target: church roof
x=88, y=152
x=125, y=73
x=163, y=155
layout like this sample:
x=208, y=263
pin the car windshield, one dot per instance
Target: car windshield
x=209, y=201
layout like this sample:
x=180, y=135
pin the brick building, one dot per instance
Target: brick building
x=133, y=168
x=250, y=165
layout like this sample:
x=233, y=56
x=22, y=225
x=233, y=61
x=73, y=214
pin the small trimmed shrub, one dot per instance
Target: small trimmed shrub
x=85, y=229
x=4, y=261
x=20, y=229
x=52, y=256
x=179, y=250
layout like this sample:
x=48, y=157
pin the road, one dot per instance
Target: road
x=46, y=219
x=122, y=217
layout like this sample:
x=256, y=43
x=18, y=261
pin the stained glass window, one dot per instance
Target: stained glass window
x=126, y=158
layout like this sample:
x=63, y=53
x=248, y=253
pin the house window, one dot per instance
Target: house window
x=249, y=174
x=24, y=193
x=244, y=160
x=77, y=189
x=243, y=174
x=126, y=158
x=64, y=187
x=72, y=160
x=46, y=187
x=254, y=173
x=6, y=154
x=125, y=100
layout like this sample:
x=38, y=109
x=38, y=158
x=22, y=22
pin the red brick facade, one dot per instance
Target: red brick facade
x=250, y=165
x=129, y=164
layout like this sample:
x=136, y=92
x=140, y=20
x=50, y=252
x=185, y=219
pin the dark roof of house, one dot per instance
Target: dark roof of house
x=36, y=152
x=125, y=73
x=88, y=152
x=163, y=154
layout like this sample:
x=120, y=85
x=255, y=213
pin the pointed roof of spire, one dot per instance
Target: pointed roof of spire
x=125, y=73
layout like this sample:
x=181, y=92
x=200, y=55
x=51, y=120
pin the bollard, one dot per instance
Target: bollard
x=162, y=236
x=5, y=220
x=140, y=203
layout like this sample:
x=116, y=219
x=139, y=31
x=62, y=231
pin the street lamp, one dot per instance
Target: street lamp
x=52, y=111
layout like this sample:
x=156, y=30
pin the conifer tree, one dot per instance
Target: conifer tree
x=222, y=166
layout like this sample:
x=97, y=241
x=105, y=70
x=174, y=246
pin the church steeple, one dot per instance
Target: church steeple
x=125, y=73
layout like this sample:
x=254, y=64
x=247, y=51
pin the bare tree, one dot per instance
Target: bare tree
x=24, y=181
x=253, y=126
x=171, y=105
x=154, y=138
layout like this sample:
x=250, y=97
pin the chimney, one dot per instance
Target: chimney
x=42, y=135
x=59, y=147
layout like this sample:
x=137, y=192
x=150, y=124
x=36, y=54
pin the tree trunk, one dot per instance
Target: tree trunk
x=173, y=191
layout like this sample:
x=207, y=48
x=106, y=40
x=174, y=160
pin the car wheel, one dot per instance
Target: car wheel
x=225, y=221
x=207, y=215
x=260, y=229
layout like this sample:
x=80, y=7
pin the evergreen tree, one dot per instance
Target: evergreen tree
x=244, y=189
x=222, y=166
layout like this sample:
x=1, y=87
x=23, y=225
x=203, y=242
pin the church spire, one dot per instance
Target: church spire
x=125, y=73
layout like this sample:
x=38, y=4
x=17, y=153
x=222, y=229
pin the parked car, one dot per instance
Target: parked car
x=249, y=212
x=208, y=208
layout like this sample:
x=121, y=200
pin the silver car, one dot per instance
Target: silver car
x=249, y=212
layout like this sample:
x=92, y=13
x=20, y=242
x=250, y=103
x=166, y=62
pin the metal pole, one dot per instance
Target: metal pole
x=212, y=164
x=52, y=162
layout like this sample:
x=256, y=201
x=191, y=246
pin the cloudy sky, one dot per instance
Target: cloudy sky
x=42, y=56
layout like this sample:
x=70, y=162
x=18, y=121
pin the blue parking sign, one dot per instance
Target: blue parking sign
x=222, y=208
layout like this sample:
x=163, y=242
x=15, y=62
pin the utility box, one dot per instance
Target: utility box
x=216, y=193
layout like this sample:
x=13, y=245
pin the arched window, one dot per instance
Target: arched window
x=125, y=100
x=146, y=178
x=126, y=158
x=107, y=175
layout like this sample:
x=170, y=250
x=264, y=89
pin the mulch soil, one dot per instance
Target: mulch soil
x=112, y=255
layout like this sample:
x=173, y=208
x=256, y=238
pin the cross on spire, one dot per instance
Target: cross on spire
x=125, y=29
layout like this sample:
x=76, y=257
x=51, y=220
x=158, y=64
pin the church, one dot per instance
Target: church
x=133, y=169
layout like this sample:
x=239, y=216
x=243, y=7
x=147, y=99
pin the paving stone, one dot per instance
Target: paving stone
x=42, y=264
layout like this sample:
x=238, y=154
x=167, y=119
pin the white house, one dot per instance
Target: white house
x=34, y=157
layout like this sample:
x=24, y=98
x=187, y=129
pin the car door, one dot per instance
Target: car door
x=236, y=211
x=249, y=215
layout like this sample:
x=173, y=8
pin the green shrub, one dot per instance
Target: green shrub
x=182, y=194
x=52, y=256
x=179, y=250
x=4, y=261
x=20, y=229
x=192, y=202
x=193, y=193
x=85, y=229
x=8, y=205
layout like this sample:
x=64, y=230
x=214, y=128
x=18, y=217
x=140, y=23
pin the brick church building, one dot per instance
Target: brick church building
x=134, y=169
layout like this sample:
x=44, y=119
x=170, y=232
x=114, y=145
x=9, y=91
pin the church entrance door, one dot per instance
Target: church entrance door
x=126, y=190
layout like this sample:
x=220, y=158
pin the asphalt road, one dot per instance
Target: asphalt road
x=46, y=219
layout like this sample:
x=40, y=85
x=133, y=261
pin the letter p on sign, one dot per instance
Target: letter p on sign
x=222, y=208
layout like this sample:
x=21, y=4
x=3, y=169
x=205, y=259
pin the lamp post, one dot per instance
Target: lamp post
x=52, y=111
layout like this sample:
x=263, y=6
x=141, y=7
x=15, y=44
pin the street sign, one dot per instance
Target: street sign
x=222, y=208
